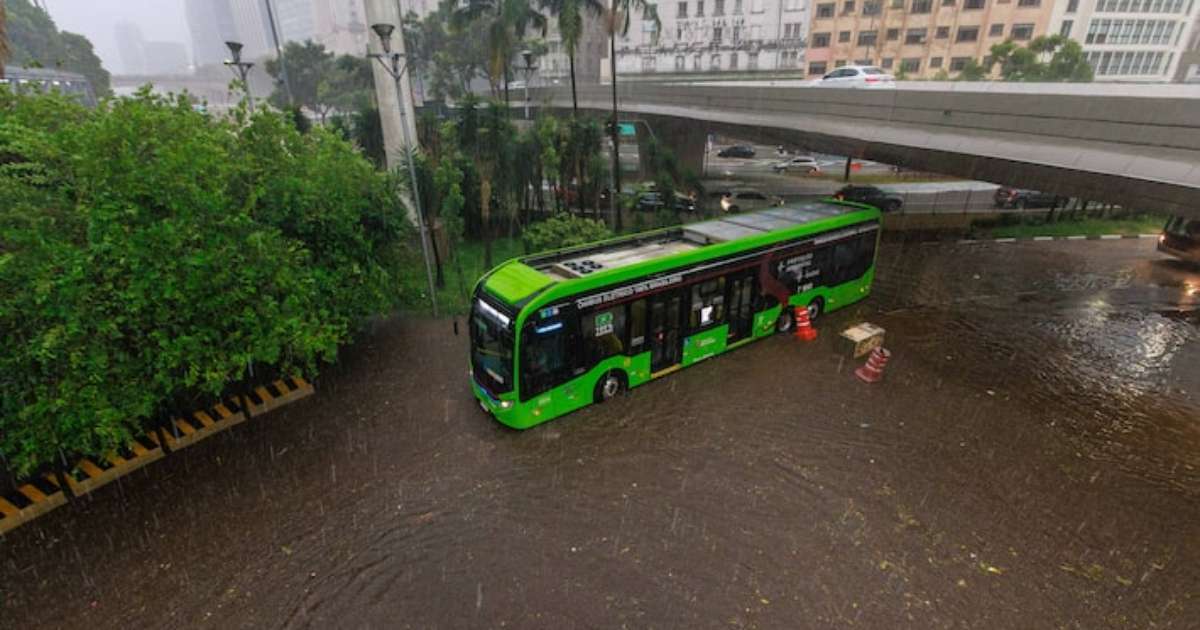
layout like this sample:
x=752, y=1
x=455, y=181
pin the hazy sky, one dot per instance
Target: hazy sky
x=160, y=20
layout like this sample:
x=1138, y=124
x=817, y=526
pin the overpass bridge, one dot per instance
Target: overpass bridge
x=1133, y=145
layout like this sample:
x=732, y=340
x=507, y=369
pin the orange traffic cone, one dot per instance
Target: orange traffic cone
x=804, y=327
x=872, y=372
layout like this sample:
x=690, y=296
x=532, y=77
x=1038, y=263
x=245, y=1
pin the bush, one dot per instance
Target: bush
x=150, y=255
x=563, y=230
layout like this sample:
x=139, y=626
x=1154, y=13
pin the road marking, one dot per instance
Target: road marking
x=204, y=418
x=32, y=493
x=1109, y=237
x=1076, y=238
x=1147, y=236
x=1043, y=238
x=114, y=459
x=264, y=394
x=8, y=509
x=138, y=449
x=1006, y=240
x=91, y=469
x=184, y=426
x=223, y=410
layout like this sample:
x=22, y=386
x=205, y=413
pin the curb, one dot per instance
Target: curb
x=1032, y=239
x=39, y=495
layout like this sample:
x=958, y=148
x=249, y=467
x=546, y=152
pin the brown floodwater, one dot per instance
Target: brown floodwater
x=1031, y=460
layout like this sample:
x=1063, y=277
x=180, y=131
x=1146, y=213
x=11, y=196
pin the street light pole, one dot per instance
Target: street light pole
x=529, y=69
x=240, y=68
x=391, y=63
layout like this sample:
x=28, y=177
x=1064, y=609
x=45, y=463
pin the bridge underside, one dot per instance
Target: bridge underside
x=1139, y=153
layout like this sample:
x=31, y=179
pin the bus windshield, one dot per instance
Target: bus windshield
x=491, y=347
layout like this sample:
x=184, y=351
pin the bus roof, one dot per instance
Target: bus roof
x=517, y=280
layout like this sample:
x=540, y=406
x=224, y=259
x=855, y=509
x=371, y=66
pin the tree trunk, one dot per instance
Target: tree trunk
x=574, y=95
x=615, y=193
x=485, y=218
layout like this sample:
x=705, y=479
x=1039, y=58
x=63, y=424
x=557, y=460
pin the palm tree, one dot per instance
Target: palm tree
x=617, y=23
x=570, y=27
x=505, y=22
x=4, y=42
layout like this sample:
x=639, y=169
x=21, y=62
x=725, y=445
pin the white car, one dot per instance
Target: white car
x=857, y=77
x=802, y=163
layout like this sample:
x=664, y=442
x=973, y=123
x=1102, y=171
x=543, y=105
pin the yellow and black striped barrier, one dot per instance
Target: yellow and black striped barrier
x=36, y=496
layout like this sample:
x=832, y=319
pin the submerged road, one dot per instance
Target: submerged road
x=1032, y=460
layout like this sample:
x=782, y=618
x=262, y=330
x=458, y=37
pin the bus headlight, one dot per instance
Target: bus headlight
x=506, y=404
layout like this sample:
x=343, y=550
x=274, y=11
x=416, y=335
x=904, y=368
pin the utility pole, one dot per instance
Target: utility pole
x=287, y=85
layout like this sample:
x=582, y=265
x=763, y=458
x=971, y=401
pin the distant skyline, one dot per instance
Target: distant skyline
x=159, y=20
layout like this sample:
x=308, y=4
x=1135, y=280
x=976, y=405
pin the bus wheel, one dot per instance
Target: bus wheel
x=610, y=386
x=785, y=320
x=815, y=308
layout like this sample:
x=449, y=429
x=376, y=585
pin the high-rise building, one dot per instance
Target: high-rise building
x=918, y=38
x=214, y=22
x=591, y=52
x=717, y=36
x=131, y=47
x=163, y=58
x=1129, y=40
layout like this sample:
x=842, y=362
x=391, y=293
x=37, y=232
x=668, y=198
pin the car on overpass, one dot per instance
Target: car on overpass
x=805, y=164
x=1006, y=197
x=653, y=201
x=857, y=77
x=737, y=151
x=872, y=196
x=1181, y=239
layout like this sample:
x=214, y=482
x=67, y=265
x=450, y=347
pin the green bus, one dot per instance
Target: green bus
x=554, y=332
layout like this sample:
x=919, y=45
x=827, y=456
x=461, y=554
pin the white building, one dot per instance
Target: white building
x=1128, y=40
x=717, y=36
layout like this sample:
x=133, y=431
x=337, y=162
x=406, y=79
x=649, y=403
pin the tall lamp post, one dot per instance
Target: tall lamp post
x=529, y=69
x=240, y=68
x=391, y=63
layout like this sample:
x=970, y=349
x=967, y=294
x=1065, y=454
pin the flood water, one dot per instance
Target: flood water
x=1031, y=460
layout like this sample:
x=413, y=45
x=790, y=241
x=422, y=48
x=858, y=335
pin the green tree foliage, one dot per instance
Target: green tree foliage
x=1047, y=58
x=505, y=23
x=973, y=71
x=446, y=58
x=149, y=255
x=569, y=16
x=564, y=230
x=321, y=82
x=34, y=40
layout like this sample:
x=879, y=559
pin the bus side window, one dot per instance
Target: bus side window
x=603, y=334
x=637, y=326
x=866, y=252
x=708, y=303
x=844, y=256
x=822, y=261
x=544, y=356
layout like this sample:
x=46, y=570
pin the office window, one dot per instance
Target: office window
x=717, y=34
x=825, y=10
x=682, y=13
x=974, y=5
x=1072, y=6
x=942, y=32
x=843, y=37
x=737, y=35
x=649, y=63
x=1029, y=3
x=696, y=62
x=820, y=40
x=887, y=62
x=893, y=34
x=737, y=7
x=700, y=8
x=714, y=62
x=839, y=63
x=867, y=38
x=817, y=67
x=958, y=63
x=848, y=7
x=1022, y=32
x=1065, y=31
x=733, y=61
x=915, y=36
x=948, y=3
x=752, y=61
x=910, y=65
x=718, y=7
x=967, y=34
x=873, y=7
x=921, y=6
x=898, y=4
x=996, y=30
x=862, y=62
x=935, y=62
x=680, y=63
x=679, y=32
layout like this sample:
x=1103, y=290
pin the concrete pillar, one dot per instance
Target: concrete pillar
x=388, y=12
x=687, y=139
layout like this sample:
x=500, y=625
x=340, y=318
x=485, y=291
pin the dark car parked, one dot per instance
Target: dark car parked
x=652, y=201
x=737, y=151
x=1006, y=197
x=1181, y=239
x=872, y=196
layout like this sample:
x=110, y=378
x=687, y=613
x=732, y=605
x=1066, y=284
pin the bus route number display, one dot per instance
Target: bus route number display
x=626, y=291
x=604, y=324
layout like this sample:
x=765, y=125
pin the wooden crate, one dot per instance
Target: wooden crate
x=861, y=339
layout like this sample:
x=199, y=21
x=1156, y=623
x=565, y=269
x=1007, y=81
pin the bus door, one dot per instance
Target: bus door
x=741, y=304
x=665, y=317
